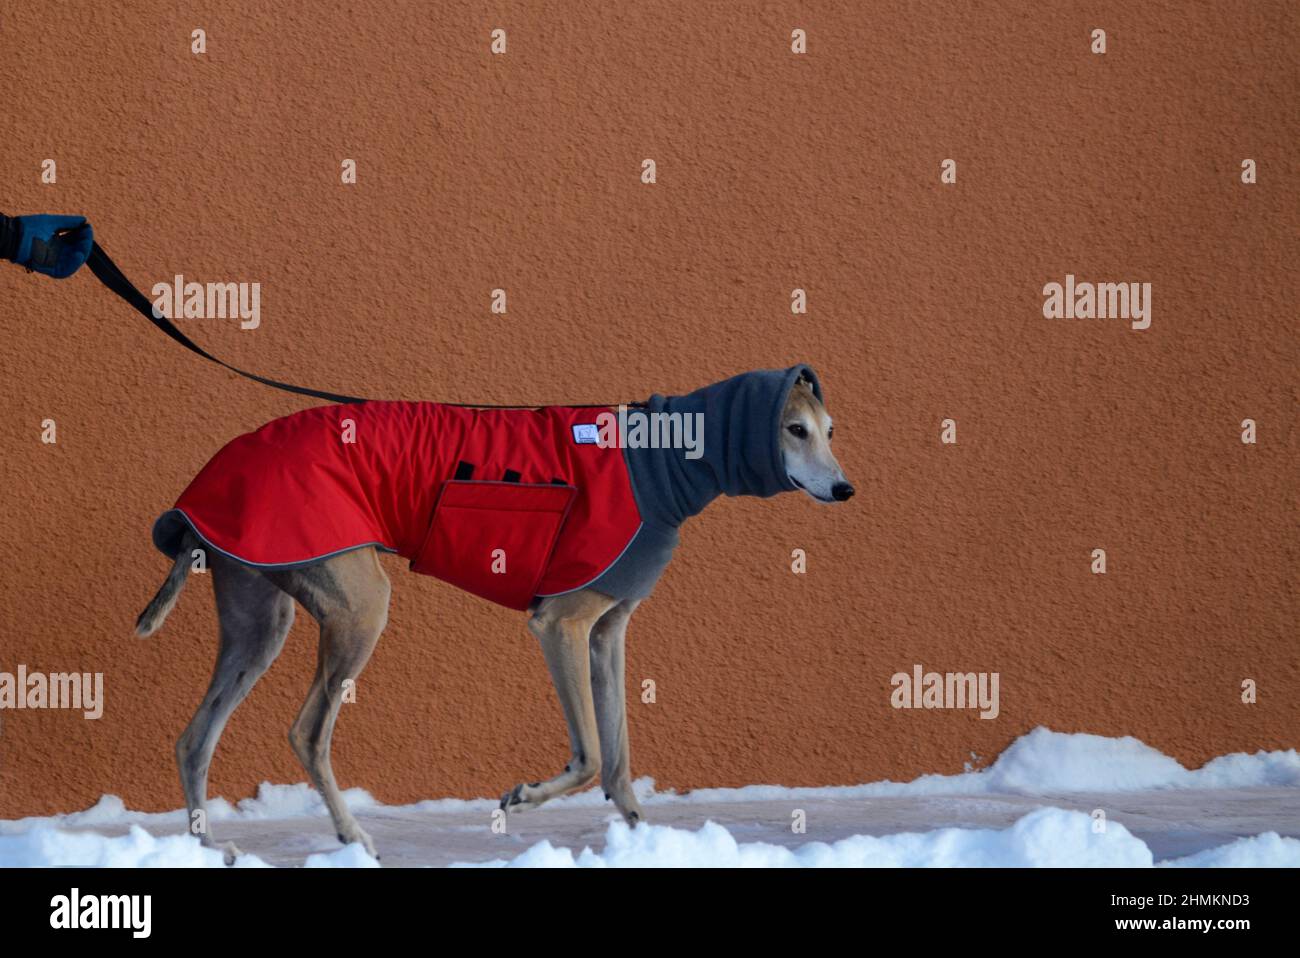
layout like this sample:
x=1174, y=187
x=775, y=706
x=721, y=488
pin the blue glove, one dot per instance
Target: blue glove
x=53, y=245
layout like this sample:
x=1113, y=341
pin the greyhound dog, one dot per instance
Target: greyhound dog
x=581, y=632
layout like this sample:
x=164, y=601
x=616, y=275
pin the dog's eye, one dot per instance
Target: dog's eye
x=797, y=430
x=830, y=434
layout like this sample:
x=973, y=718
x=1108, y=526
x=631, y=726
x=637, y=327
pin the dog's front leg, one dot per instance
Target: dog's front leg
x=563, y=625
x=609, y=692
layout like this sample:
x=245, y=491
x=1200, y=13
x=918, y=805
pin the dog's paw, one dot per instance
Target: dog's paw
x=229, y=852
x=521, y=797
x=622, y=797
x=630, y=809
x=359, y=836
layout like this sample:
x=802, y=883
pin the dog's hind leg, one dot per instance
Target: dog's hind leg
x=609, y=693
x=254, y=617
x=563, y=625
x=348, y=596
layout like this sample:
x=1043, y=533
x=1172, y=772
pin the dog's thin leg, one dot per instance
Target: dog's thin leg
x=348, y=595
x=609, y=693
x=254, y=618
x=563, y=626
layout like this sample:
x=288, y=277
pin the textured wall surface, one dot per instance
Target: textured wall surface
x=775, y=171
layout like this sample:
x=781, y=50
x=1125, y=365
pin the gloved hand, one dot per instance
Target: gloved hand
x=53, y=245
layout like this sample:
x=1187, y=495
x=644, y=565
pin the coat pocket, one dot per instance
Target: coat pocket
x=494, y=539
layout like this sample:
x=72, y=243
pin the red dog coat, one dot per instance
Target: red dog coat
x=508, y=504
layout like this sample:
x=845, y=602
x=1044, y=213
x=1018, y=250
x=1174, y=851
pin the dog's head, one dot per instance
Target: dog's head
x=806, y=431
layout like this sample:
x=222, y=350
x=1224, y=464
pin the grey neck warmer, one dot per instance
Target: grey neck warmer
x=741, y=457
x=742, y=446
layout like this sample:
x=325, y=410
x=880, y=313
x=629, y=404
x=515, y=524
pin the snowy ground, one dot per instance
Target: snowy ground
x=1037, y=805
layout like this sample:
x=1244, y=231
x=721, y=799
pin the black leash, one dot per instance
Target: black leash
x=114, y=279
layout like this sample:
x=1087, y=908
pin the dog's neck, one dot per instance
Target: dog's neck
x=741, y=454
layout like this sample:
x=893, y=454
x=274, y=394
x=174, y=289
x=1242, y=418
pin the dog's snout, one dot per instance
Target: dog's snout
x=841, y=491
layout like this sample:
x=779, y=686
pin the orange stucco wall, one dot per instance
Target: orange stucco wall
x=775, y=171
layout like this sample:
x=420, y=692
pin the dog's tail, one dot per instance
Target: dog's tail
x=152, y=617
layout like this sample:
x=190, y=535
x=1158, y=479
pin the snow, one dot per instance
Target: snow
x=1043, y=762
x=350, y=856
x=1269, y=850
x=1048, y=837
x=272, y=803
x=44, y=846
x=1033, y=807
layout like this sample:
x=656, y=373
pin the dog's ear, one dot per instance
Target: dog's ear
x=805, y=381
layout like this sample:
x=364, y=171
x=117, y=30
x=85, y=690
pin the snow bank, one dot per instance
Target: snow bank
x=45, y=847
x=1046, y=762
x=272, y=803
x=1045, y=838
x=1040, y=763
x=1269, y=850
